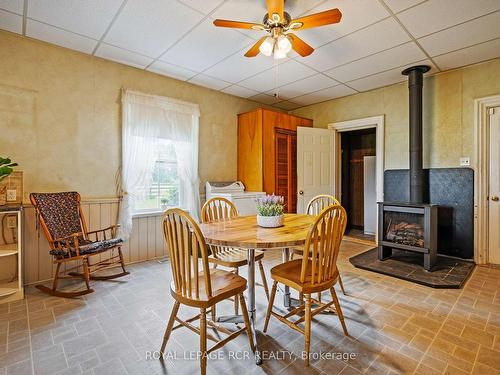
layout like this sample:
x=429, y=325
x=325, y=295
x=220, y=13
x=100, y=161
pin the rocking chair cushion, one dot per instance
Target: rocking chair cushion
x=60, y=212
x=89, y=247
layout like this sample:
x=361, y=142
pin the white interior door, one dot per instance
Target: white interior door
x=494, y=188
x=315, y=164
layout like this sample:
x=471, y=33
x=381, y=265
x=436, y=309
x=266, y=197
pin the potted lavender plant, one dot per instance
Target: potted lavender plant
x=270, y=209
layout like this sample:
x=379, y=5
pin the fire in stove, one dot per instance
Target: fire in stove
x=406, y=233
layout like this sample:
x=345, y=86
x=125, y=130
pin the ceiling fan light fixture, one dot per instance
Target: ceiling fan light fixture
x=279, y=54
x=283, y=43
x=267, y=46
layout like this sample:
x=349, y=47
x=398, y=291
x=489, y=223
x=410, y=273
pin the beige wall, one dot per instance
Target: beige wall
x=448, y=114
x=60, y=117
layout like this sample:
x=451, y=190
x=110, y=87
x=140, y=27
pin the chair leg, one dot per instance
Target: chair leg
x=122, y=263
x=341, y=285
x=319, y=297
x=270, y=305
x=56, y=277
x=291, y=255
x=86, y=272
x=264, y=280
x=213, y=313
x=307, y=328
x=236, y=310
x=170, y=325
x=244, y=312
x=340, y=314
x=203, y=341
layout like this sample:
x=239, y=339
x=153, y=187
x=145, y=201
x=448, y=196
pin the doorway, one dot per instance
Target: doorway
x=358, y=182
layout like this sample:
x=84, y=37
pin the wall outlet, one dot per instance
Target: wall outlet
x=11, y=195
x=11, y=222
x=465, y=161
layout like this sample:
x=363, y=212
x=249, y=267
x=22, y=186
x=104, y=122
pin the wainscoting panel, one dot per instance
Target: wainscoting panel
x=146, y=241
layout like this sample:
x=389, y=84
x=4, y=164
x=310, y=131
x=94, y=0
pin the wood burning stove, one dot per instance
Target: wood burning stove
x=408, y=226
x=411, y=225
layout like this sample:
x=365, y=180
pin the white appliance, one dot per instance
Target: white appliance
x=234, y=192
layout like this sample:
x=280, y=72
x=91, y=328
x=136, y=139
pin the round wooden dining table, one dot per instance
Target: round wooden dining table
x=244, y=233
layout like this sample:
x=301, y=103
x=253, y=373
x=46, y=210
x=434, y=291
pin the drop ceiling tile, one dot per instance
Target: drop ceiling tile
x=323, y=95
x=287, y=105
x=59, y=37
x=11, y=22
x=464, y=35
x=304, y=86
x=210, y=82
x=285, y=73
x=242, y=92
x=205, y=46
x=89, y=18
x=109, y=52
x=238, y=67
x=378, y=37
x=264, y=99
x=203, y=6
x=399, y=5
x=355, y=15
x=242, y=10
x=15, y=6
x=435, y=15
x=386, y=78
x=470, y=55
x=391, y=58
x=169, y=70
x=150, y=27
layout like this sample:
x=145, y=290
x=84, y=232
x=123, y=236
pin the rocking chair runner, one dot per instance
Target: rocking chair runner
x=61, y=218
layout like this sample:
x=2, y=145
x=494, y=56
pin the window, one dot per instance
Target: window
x=159, y=156
x=162, y=189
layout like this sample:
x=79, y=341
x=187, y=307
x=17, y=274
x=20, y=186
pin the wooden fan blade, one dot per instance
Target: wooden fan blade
x=317, y=19
x=276, y=6
x=238, y=25
x=301, y=47
x=254, y=51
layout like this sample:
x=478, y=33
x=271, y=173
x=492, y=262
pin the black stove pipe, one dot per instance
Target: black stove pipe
x=418, y=183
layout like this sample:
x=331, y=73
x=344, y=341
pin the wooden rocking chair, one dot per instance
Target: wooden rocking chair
x=61, y=218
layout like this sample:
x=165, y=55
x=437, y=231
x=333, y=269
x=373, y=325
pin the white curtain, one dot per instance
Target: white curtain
x=145, y=120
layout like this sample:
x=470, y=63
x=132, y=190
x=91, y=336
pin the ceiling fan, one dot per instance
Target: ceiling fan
x=279, y=25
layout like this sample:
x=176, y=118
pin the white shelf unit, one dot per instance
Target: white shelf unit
x=11, y=281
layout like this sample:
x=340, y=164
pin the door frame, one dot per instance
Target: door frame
x=481, y=171
x=377, y=122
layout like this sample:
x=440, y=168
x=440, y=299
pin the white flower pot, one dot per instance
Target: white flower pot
x=270, y=221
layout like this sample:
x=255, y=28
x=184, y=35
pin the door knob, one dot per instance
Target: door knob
x=495, y=198
x=301, y=192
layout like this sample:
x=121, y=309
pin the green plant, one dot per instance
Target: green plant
x=6, y=167
x=271, y=205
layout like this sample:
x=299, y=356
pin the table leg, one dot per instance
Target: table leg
x=251, y=301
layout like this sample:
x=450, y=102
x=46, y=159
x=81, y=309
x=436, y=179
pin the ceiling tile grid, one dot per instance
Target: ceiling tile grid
x=11, y=22
x=14, y=6
x=373, y=42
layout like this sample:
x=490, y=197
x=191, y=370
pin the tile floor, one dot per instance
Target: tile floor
x=396, y=328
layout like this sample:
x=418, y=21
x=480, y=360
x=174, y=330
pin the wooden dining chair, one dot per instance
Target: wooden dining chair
x=196, y=285
x=217, y=209
x=313, y=274
x=314, y=207
x=61, y=218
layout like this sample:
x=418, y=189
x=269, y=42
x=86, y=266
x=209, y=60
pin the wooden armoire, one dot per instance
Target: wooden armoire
x=267, y=153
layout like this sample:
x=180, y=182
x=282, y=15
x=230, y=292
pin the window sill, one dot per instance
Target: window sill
x=147, y=214
x=151, y=213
